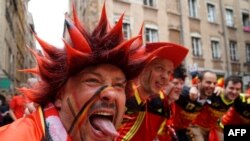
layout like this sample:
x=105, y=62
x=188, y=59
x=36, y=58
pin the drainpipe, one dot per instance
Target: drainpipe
x=181, y=23
x=182, y=41
x=225, y=37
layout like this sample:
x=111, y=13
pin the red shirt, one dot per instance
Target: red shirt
x=167, y=132
x=17, y=104
x=30, y=128
x=239, y=113
x=208, y=117
x=145, y=117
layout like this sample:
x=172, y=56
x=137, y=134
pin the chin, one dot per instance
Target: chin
x=209, y=94
x=176, y=97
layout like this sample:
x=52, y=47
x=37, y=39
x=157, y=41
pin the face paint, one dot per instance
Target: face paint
x=82, y=114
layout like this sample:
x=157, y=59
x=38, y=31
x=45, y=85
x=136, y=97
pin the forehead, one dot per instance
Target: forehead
x=163, y=62
x=209, y=76
x=177, y=80
x=104, y=70
x=231, y=83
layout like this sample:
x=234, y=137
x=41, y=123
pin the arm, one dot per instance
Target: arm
x=12, y=115
x=194, y=93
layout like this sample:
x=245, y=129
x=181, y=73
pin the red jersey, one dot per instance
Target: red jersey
x=186, y=110
x=145, y=117
x=208, y=117
x=166, y=131
x=248, y=91
x=239, y=113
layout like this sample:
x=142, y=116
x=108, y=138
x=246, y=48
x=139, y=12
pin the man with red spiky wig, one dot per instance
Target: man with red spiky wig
x=82, y=88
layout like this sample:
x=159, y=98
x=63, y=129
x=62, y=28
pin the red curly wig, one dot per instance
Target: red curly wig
x=103, y=45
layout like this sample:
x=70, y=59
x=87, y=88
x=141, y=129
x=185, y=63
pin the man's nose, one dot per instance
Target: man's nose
x=165, y=75
x=235, y=91
x=212, y=85
x=108, y=94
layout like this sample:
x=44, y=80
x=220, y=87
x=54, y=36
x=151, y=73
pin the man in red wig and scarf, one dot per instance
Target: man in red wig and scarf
x=82, y=88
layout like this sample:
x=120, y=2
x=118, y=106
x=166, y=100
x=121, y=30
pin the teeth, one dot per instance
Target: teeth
x=160, y=83
x=103, y=114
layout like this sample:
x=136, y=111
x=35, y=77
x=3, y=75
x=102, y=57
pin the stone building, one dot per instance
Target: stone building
x=15, y=37
x=217, y=32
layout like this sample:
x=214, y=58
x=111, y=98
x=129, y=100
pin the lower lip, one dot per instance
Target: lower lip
x=158, y=86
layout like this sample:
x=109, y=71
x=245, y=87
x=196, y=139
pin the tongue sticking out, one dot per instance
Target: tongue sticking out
x=106, y=126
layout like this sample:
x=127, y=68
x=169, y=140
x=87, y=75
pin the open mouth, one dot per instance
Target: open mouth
x=103, y=122
x=159, y=84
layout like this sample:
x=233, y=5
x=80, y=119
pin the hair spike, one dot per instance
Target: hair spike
x=34, y=71
x=117, y=29
x=138, y=43
x=103, y=25
x=48, y=49
x=76, y=59
x=77, y=22
x=78, y=40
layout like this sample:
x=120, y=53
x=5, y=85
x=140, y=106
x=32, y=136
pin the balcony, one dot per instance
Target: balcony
x=246, y=29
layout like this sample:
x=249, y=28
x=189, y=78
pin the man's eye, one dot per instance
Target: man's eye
x=159, y=68
x=120, y=85
x=92, y=80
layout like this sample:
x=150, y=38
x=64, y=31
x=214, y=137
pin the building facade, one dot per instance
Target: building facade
x=217, y=32
x=15, y=37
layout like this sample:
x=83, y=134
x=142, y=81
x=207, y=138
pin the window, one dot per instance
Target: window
x=245, y=19
x=151, y=34
x=215, y=49
x=229, y=17
x=248, y=52
x=211, y=12
x=196, y=46
x=233, y=51
x=126, y=30
x=193, y=8
x=151, y=3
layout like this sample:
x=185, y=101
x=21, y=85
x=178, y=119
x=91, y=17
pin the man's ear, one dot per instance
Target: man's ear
x=58, y=103
x=59, y=97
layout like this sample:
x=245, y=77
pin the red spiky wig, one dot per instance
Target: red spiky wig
x=103, y=45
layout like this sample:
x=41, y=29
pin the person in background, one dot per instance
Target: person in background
x=206, y=122
x=167, y=132
x=17, y=105
x=238, y=114
x=30, y=106
x=147, y=101
x=248, y=88
x=2, y=111
x=191, y=102
x=81, y=91
x=5, y=117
